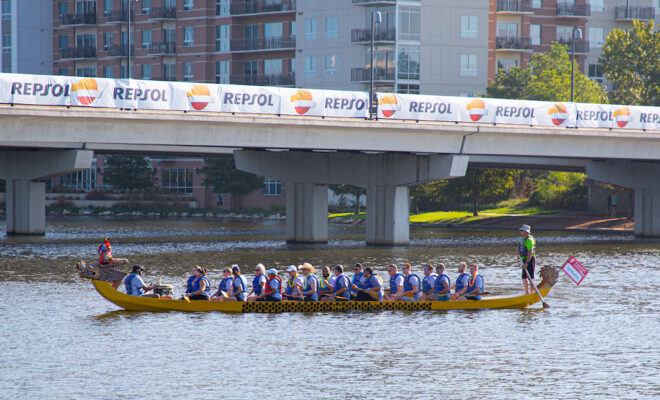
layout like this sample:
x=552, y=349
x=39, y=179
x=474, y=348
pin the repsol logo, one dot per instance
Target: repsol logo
x=594, y=116
x=514, y=112
x=38, y=89
x=429, y=107
x=338, y=103
x=248, y=99
x=649, y=118
x=139, y=94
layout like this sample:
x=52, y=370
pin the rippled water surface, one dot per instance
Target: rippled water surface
x=60, y=339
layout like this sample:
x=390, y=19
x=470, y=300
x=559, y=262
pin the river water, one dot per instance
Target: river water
x=59, y=339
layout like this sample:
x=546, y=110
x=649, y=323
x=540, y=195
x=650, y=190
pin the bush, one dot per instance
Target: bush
x=96, y=195
x=62, y=201
x=561, y=190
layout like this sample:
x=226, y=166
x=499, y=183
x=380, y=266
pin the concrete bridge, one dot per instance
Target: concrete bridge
x=308, y=153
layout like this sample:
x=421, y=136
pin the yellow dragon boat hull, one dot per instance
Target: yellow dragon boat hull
x=137, y=303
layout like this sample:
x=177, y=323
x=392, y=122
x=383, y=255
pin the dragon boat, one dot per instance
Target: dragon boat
x=105, y=280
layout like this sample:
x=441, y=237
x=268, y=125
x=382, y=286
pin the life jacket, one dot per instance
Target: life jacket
x=128, y=282
x=105, y=253
x=242, y=283
x=207, y=290
x=223, y=284
x=473, y=283
x=256, y=284
x=393, y=282
x=269, y=288
x=438, y=287
x=323, y=284
x=461, y=281
x=291, y=284
x=189, y=285
x=408, y=286
x=426, y=286
x=522, y=250
x=308, y=286
x=338, y=287
x=374, y=281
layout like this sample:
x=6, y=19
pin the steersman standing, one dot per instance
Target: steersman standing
x=526, y=252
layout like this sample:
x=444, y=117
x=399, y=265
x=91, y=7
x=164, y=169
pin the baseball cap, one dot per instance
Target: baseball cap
x=137, y=268
x=235, y=268
x=292, y=268
x=272, y=271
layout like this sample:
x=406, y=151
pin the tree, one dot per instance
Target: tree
x=128, y=173
x=479, y=185
x=548, y=78
x=631, y=61
x=355, y=191
x=223, y=177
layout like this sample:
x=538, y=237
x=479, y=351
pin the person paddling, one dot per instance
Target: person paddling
x=201, y=285
x=461, y=282
x=293, y=289
x=342, y=286
x=428, y=283
x=475, y=284
x=442, y=284
x=239, y=285
x=372, y=287
x=135, y=285
x=527, y=254
x=311, y=287
x=395, y=291
x=224, y=287
x=273, y=289
x=357, y=280
x=327, y=283
x=258, y=283
x=411, y=284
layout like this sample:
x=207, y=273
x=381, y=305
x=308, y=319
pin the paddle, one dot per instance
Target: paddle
x=545, y=305
x=186, y=299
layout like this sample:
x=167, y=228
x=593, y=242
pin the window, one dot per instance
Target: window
x=409, y=22
x=408, y=62
x=250, y=68
x=564, y=33
x=272, y=187
x=6, y=43
x=64, y=71
x=86, y=72
x=595, y=72
x=595, y=37
x=177, y=180
x=407, y=88
x=535, y=33
x=108, y=72
x=468, y=65
x=251, y=36
x=81, y=180
x=222, y=38
x=222, y=7
x=507, y=29
x=292, y=28
x=222, y=72
x=64, y=42
x=6, y=69
x=273, y=30
x=146, y=38
x=169, y=72
x=188, y=4
x=146, y=71
x=331, y=27
x=187, y=71
x=6, y=9
x=146, y=6
x=108, y=39
x=469, y=27
x=506, y=63
x=310, y=28
x=63, y=8
x=188, y=36
x=169, y=3
x=331, y=64
x=310, y=66
x=537, y=3
x=107, y=7
x=597, y=5
x=87, y=40
x=273, y=67
x=657, y=8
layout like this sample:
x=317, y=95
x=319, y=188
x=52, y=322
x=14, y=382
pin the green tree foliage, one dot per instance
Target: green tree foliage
x=223, y=177
x=631, y=61
x=548, y=78
x=128, y=173
x=355, y=191
x=560, y=190
x=480, y=185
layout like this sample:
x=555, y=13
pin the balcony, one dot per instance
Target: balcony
x=261, y=7
x=514, y=6
x=78, y=52
x=363, y=35
x=162, y=13
x=117, y=15
x=630, y=13
x=264, y=80
x=581, y=45
x=375, y=2
x=270, y=43
x=79, y=19
x=168, y=77
x=162, y=48
x=571, y=10
x=513, y=43
x=119, y=51
x=364, y=74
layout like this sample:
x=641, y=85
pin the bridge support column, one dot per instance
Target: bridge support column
x=26, y=211
x=644, y=178
x=387, y=214
x=306, y=213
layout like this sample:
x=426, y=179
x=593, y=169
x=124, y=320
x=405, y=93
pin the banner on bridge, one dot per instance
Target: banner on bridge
x=184, y=96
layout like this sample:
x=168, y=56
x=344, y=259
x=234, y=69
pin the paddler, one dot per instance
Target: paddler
x=428, y=282
x=201, y=285
x=225, y=286
x=239, y=285
x=442, y=285
x=259, y=282
x=357, y=279
x=326, y=284
x=294, y=285
x=411, y=284
x=372, y=287
x=311, y=287
x=341, y=290
x=461, y=282
x=475, y=284
x=527, y=254
x=273, y=289
x=396, y=283
x=135, y=285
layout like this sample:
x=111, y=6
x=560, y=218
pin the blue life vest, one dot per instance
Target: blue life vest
x=393, y=282
x=347, y=292
x=478, y=282
x=461, y=281
x=256, y=284
x=291, y=284
x=426, y=286
x=189, y=286
x=408, y=286
x=438, y=287
x=128, y=282
x=356, y=280
x=223, y=284
x=207, y=290
x=312, y=296
x=239, y=285
x=374, y=281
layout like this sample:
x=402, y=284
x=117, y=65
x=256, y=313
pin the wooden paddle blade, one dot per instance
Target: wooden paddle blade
x=224, y=294
x=186, y=299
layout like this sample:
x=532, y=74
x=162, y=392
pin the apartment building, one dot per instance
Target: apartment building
x=27, y=32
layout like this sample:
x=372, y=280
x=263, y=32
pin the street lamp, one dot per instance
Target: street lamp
x=376, y=18
x=577, y=34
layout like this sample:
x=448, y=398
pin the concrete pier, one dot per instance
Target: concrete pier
x=306, y=213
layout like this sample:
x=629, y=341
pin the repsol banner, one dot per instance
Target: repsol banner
x=516, y=112
x=157, y=95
